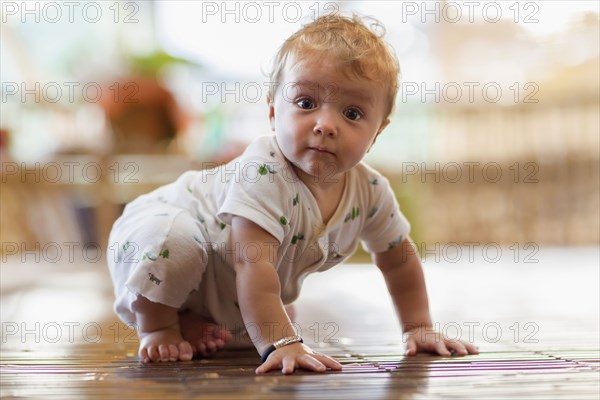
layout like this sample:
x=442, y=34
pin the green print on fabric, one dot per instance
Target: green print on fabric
x=221, y=224
x=126, y=245
x=372, y=212
x=283, y=220
x=164, y=253
x=201, y=219
x=373, y=181
x=197, y=239
x=353, y=214
x=150, y=256
x=298, y=236
x=296, y=199
x=266, y=169
x=189, y=189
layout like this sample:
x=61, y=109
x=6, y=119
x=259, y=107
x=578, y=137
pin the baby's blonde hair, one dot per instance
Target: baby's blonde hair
x=362, y=52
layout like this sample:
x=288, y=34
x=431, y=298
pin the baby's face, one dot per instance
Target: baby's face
x=325, y=122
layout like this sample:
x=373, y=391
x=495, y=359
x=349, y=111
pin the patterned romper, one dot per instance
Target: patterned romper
x=174, y=243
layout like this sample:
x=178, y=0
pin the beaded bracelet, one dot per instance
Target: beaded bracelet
x=280, y=343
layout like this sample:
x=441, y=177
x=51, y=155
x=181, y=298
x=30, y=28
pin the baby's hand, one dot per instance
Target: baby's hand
x=428, y=340
x=298, y=355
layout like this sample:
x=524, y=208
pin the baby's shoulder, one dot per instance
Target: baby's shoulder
x=366, y=177
x=261, y=168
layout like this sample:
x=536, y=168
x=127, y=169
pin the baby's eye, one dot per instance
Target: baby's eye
x=352, y=114
x=305, y=104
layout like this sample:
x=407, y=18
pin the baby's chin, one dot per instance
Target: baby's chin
x=325, y=172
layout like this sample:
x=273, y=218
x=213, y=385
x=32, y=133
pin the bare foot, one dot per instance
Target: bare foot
x=164, y=345
x=205, y=337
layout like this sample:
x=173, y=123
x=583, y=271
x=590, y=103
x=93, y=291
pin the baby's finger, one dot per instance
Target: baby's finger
x=267, y=366
x=456, y=348
x=288, y=366
x=411, y=347
x=441, y=349
x=471, y=348
x=311, y=363
x=328, y=361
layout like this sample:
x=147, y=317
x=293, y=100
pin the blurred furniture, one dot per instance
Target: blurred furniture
x=40, y=201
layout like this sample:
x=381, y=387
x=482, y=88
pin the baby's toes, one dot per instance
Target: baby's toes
x=144, y=355
x=201, y=348
x=218, y=332
x=219, y=343
x=211, y=347
x=173, y=352
x=153, y=353
x=163, y=350
x=185, y=351
x=223, y=334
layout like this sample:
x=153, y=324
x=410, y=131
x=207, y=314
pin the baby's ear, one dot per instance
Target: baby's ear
x=271, y=113
x=383, y=126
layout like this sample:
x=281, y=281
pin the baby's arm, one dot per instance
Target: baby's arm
x=403, y=274
x=259, y=297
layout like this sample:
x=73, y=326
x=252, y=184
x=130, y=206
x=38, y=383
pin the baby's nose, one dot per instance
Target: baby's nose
x=326, y=124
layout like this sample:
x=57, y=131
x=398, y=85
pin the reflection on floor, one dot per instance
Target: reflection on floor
x=536, y=325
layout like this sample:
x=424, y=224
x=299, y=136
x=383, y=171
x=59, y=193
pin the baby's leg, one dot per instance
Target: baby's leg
x=162, y=261
x=160, y=332
x=168, y=335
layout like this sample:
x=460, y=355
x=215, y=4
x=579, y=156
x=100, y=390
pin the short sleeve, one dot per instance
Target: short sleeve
x=385, y=225
x=255, y=190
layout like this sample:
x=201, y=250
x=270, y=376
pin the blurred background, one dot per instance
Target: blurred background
x=494, y=139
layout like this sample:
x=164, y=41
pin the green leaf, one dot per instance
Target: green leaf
x=372, y=212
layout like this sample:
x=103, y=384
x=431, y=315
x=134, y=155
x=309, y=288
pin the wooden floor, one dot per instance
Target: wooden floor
x=536, y=325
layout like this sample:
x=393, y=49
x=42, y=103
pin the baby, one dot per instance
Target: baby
x=229, y=247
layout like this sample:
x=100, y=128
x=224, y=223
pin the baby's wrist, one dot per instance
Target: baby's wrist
x=285, y=341
x=410, y=328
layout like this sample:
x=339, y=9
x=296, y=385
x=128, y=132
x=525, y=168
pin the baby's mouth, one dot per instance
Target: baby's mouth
x=322, y=150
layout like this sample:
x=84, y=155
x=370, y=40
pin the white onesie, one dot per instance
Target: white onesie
x=174, y=244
